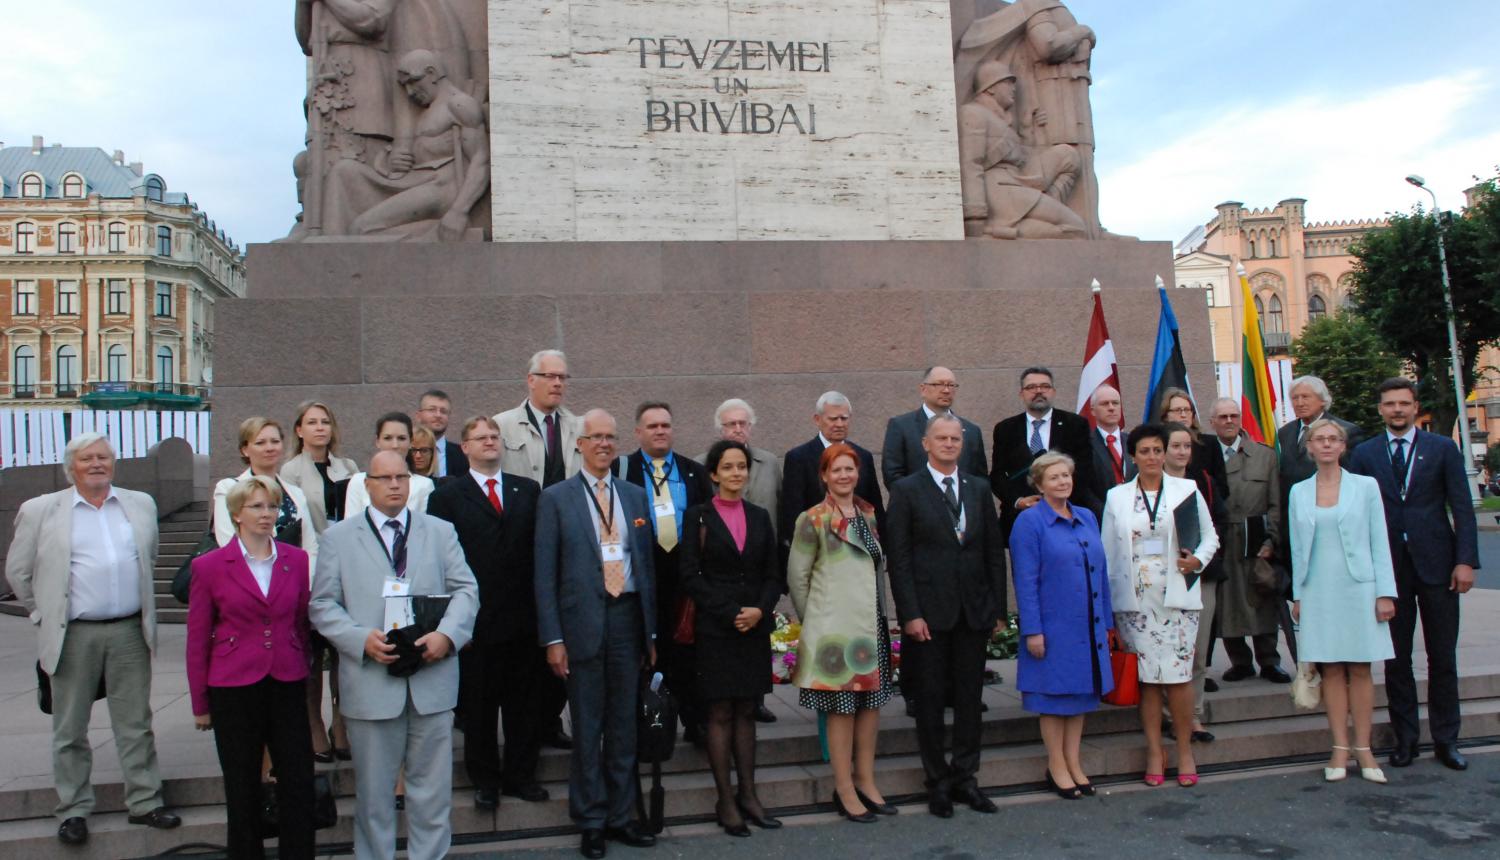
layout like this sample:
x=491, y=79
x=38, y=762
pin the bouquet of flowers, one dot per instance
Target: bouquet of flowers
x=784, y=641
x=1003, y=645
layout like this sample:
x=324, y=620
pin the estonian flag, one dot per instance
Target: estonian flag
x=1168, y=370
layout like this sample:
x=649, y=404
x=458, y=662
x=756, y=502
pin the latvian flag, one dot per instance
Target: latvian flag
x=1099, y=367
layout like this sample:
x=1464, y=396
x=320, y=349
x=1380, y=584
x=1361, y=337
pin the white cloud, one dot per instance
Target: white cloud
x=1347, y=157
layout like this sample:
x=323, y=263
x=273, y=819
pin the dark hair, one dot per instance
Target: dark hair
x=650, y=404
x=439, y=393
x=1396, y=383
x=399, y=417
x=1034, y=370
x=1146, y=431
x=717, y=451
x=1170, y=427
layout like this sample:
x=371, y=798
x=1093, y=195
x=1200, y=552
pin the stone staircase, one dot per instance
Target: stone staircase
x=1254, y=722
x=179, y=534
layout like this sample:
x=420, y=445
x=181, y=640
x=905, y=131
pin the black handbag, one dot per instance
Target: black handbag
x=182, y=581
x=656, y=739
x=325, y=809
x=44, y=689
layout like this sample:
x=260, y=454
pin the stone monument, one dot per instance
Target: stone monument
x=793, y=196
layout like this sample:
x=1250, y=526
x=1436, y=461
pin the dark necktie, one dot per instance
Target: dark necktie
x=552, y=464
x=398, y=548
x=1398, y=463
x=1037, y=446
x=951, y=497
x=1114, y=458
x=489, y=487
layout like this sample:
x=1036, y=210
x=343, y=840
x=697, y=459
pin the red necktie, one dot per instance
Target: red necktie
x=1114, y=457
x=494, y=499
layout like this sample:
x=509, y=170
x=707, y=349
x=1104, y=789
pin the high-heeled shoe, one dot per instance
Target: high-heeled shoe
x=1187, y=780
x=1336, y=774
x=1370, y=774
x=1072, y=792
x=1087, y=788
x=739, y=830
x=763, y=821
x=340, y=753
x=865, y=817
x=877, y=808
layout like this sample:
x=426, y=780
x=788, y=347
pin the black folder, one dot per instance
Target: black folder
x=427, y=611
x=1185, y=520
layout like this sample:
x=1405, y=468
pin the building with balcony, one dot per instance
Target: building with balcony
x=108, y=282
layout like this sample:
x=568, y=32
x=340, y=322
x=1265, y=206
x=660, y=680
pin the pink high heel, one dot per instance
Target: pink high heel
x=1155, y=779
x=1187, y=780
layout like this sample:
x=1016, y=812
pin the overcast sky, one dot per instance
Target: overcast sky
x=1195, y=102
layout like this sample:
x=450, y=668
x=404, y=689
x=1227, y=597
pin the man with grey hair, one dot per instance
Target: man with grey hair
x=1310, y=402
x=801, y=483
x=81, y=563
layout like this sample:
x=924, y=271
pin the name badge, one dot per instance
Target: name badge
x=612, y=551
x=398, y=612
x=664, y=508
x=1153, y=546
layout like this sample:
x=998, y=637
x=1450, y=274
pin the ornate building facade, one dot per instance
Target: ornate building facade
x=108, y=282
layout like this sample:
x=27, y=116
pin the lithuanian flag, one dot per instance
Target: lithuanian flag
x=1257, y=398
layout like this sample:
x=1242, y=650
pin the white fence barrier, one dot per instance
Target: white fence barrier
x=37, y=437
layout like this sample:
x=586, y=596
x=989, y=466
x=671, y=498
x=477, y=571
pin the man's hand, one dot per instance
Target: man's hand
x=557, y=659
x=1036, y=645
x=402, y=161
x=435, y=646
x=1385, y=609
x=1463, y=579
x=747, y=619
x=378, y=650
x=917, y=630
x=203, y=722
x=1027, y=501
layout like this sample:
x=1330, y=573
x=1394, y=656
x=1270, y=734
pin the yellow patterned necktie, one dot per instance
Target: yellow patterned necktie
x=666, y=517
x=614, y=571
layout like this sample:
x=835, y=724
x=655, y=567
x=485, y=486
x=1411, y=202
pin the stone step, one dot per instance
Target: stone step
x=1107, y=758
x=195, y=525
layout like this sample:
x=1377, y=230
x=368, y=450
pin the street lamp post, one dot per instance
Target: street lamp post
x=1471, y=476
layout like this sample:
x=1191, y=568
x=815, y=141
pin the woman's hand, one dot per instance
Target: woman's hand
x=747, y=619
x=1297, y=610
x=1187, y=562
x=1036, y=645
x=1385, y=609
x=203, y=722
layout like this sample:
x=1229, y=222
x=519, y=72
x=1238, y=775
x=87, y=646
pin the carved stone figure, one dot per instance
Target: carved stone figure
x=1012, y=190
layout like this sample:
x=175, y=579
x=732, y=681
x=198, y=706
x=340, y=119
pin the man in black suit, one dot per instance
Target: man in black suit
x=801, y=486
x=1422, y=484
x=947, y=569
x=673, y=484
x=902, y=452
x=1310, y=402
x=434, y=409
x=499, y=673
x=1112, y=463
x=1042, y=427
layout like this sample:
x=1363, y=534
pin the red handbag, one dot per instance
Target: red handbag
x=1123, y=665
x=687, y=609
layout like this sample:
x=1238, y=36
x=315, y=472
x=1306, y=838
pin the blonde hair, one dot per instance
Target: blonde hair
x=1047, y=460
x=241, y=492
x=333, y=425
x=251, y=427
x=421, y=437
x=1328, y=422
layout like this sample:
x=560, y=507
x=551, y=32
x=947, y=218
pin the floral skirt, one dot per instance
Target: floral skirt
x=846, y=702
x=1162, y=639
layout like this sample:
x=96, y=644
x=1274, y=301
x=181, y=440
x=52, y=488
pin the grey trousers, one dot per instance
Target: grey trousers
x=1204, y=643
x=424, y=746
x=116, y=650
x=602, y=695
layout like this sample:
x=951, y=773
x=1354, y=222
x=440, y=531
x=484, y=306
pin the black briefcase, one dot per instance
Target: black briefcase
x=44, y=689
x=656, y=739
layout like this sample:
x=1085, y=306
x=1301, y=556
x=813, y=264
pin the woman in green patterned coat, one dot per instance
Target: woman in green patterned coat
x=844, y=655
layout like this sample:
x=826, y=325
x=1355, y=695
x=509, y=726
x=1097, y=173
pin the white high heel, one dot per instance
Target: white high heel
x=1338, y=774
x=1371, y=774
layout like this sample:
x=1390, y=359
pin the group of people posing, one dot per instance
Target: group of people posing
x=568, y=572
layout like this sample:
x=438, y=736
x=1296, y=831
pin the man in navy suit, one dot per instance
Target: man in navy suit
x=1421, y=477
x=596, y=616
x=801, y=487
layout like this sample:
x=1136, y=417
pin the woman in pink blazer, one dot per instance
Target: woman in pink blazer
x=247, y=645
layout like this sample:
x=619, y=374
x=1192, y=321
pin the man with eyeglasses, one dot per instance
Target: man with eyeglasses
x=902, y=453
x=434, y=409
x=1019, y=439
x=367, y=565
x=500, y=673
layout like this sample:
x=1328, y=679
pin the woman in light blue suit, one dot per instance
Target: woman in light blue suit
x=1344, y=589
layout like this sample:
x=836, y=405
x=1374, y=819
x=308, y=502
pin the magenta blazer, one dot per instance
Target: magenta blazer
x=235, y=635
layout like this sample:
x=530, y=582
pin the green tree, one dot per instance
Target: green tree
x=1398, y=291
x=1349, y=355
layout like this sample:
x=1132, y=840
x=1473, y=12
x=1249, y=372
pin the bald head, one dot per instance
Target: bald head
x=1105, y=404
x=388, y=482
x=1226, y=419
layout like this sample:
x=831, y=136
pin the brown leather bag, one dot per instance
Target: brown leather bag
x=687, y=610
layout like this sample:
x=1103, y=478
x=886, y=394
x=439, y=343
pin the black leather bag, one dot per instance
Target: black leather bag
x=182, y=581
x=44, y=689
x=325, y=808
x=656, y=738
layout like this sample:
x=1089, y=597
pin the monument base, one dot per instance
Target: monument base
x=367, y=328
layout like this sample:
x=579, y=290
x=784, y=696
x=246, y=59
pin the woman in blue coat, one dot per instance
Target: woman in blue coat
x=1062, y=593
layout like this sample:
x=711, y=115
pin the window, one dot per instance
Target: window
x=66, y=374
x=24, y=375
x=67, y=298
x=31, y=185
x=163, y=241
x=164, y=375
x=25, y=238
x=1260, y=308
x=1316, y=308
x=67, y=238
x=1275, y=319
x=1251, y=255
x=1210, y=294
x=163, y=299
x=116, y=237
x=25, y=298
x=155, y=189
x=72, y=185
x=116, y=364
x=118, y=298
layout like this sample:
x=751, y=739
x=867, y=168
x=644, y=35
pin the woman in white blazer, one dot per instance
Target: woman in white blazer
x=392, y=433
x=1343, y=592
x=1154, y=590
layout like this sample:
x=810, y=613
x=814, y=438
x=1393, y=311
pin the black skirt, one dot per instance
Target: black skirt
x=736, y=667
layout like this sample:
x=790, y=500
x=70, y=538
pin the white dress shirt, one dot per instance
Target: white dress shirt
x=939, y=477
x=823, y=439
x=622, y=525
x=104, y=579
x=483, y=481
x=1045, y=430
x=260, y=568
x=1118, y=445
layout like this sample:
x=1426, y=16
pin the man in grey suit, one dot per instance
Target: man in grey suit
x=395, y=722
x=596, y=616
x=80, y=563
x=902, y=453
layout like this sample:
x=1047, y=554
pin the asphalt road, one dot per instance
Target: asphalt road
x=1425, y=811
x=1488, y=575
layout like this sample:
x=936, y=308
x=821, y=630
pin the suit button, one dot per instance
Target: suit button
x=268, y=644
x=268, y=631
x=268, y=621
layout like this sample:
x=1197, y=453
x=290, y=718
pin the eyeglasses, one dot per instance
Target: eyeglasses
x=1036, y=386
x=388, y=479
x=553, y=377
x=1180, y=410
x=423, y=450
x=950, y=386
x=602, y=438
x=488, y=437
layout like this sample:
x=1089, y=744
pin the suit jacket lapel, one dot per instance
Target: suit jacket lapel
x=581, y=510
x=715, y=523
x=476, y=496
x=239, y=571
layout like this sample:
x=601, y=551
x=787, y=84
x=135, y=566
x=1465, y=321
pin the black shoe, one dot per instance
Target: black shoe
x=911, y=708
x=325, y=757
x=1202, y=736
x=983, y=708
x=559, y=740
x=592, y=844
x=530, y=792
x=1403, y=753
x=159, y=818
x=1210, y=685
x=1072, y=793
x=763, y=714
x=1276, y=675
x=1087, y=788
x=486, y=798
x=1238, y=673
x=877, y=808
x=400, y=803
x=940, y=804
x=864, y=817
x=976, y=800
x=764, y=821
x=631, y=834
x=1449, y=755
x=740, y=830
x=342, y=754
x=73, y=831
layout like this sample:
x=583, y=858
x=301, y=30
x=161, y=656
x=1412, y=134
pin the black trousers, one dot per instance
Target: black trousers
x=953, y=660
x=268, y=714
x=498, y=689
x=1438, y=608
x=1265, y=651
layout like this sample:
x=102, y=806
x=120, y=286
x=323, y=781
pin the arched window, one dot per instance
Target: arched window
x=66, y=372
x=1316, y=307
x=164, y=367
x=1260, y=310
x=117, y=364
x=1251, y=255
x=155, y=189
x=67, y=238
x=25, y=238
x=116, y=237
x=163, y=241
x=31, y=185
x=72, y=185
x=23, y=372
x=1275, y=319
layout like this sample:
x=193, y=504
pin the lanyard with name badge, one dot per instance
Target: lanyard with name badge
x=396, y=590
x=610, y=549
x=1153, y=544
x=663, y=505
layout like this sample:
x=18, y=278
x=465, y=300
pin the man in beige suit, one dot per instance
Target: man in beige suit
x=81, y=563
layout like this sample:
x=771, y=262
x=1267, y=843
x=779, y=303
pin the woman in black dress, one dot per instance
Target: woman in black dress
x=729, y=569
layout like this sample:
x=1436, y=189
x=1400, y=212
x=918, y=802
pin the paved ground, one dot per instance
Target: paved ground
x=1426, y=811
x=1488, y=576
